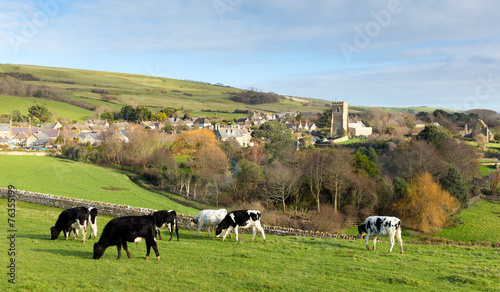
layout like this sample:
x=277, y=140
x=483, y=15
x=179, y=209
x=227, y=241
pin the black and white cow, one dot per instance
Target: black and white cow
x=121, y=230
x=240, y=219
x=168, y=219
x=93, y=222
x=208, y=218
x=69, y=219
x=381, y=226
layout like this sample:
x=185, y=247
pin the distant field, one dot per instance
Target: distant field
x=208, y=264
x=10, y=103
x=79, y=180
x=482, y=223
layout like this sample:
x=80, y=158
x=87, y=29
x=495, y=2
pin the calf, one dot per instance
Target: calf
x=70, y=219
x=240, y=219
x=208, y=218
x=381, y=226
x=166, y=219
x=121, y=230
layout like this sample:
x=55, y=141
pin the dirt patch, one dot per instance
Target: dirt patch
x=113, y=189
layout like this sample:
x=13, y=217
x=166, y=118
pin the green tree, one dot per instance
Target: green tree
x=40, y=112
x=456, y=186
x=400, y=187
x=107, y=116
x=278, y=137
x=141, y=113
x=362, y=162
x=325, y=118
x=127, y=113
x=16, y=116
x=434, y=135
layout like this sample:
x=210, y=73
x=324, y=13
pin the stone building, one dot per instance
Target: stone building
x=340, y=123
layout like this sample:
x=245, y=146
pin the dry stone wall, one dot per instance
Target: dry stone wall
x=114, y=210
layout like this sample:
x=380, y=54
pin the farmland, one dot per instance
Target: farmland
x=209, y=264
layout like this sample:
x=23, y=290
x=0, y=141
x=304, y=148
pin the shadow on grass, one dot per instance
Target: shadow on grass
x=84, y=254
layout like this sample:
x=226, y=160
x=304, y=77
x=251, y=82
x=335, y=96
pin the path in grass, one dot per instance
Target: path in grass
x=79, y=180
x=208, y=264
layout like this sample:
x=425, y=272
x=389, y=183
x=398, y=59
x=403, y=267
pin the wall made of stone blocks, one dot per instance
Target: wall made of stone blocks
x=114, y=210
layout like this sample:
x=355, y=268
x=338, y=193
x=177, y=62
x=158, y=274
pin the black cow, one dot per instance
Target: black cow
x=168, y=219
x=240, y=219
x=121, y=230
x=69, y=219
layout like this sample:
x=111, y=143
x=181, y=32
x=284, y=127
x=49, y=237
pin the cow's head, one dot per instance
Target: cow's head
x=54, y=233
x=361, y=230
x=193, y=221
x=98, y=250
x=223, y=225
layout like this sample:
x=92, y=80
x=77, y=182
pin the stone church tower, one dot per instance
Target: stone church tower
x=339, y=119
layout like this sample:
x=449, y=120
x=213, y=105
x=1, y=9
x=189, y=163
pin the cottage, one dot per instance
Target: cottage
x=359, y=129
x=37, y=139
x=5, y=130
x=240, y=136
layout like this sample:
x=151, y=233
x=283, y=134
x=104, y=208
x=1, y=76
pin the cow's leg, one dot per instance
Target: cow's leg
x=235, y=232
x=400, y=241
x=259, y=227
x=170, y=229
x=67, y=233
x=157, y=231
x=254, y=232
x=199, y=228
x=119, y=248
x=83, y=228
x=367, y=236
x=151, y=243
x=374, y=242
x=391, y=240
x=125, y=247
x=176, y=229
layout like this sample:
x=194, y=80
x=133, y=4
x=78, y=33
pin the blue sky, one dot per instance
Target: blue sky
x=375, y=53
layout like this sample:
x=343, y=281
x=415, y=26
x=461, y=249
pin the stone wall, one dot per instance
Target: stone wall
x=114, y=210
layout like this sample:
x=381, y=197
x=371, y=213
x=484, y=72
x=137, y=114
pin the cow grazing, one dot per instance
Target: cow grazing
x=240, y=219
x=381, y=226
x=208, y=218
x=92, y=223
x=166, y=219
x=69, y=219
x=121, y=230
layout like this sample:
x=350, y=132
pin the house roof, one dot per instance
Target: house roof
x=51, y=125
x=5, y=127
x=21, y=136
x=52, y=133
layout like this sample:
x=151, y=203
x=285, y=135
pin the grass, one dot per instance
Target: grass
x=60, y=109
x=82, y=181
x=207, y=264
x=482, y=224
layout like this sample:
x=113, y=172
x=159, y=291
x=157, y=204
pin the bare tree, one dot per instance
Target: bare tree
x=312, y=164
x=337, y=170
x=282, y=182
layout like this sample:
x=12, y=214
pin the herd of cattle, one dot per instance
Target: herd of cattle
x=121, y=230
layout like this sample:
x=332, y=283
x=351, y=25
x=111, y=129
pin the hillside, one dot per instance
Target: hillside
x=114, y=90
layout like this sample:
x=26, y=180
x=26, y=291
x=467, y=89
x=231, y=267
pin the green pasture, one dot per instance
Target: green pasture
x=60, y=109
x=208, y=264
x=482, y=222
x=82, y=181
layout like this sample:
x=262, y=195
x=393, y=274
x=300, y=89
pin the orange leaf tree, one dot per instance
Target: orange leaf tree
x=426, y=206
x=191, y=141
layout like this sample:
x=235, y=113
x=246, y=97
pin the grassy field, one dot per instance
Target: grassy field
x=60, y=109
x=157, y=93
x=82, y=181
x=207, y=264
x=482, y=224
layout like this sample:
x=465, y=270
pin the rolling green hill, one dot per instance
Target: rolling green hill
x=118, y=89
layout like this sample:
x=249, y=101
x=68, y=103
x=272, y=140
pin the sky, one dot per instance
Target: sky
x=400, y=53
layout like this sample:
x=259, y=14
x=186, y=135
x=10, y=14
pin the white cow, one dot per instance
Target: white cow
x=381, y=226
x=208, y=218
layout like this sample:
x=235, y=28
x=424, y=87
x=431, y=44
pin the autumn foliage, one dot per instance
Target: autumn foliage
x=191, y=141
x=425, y=206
